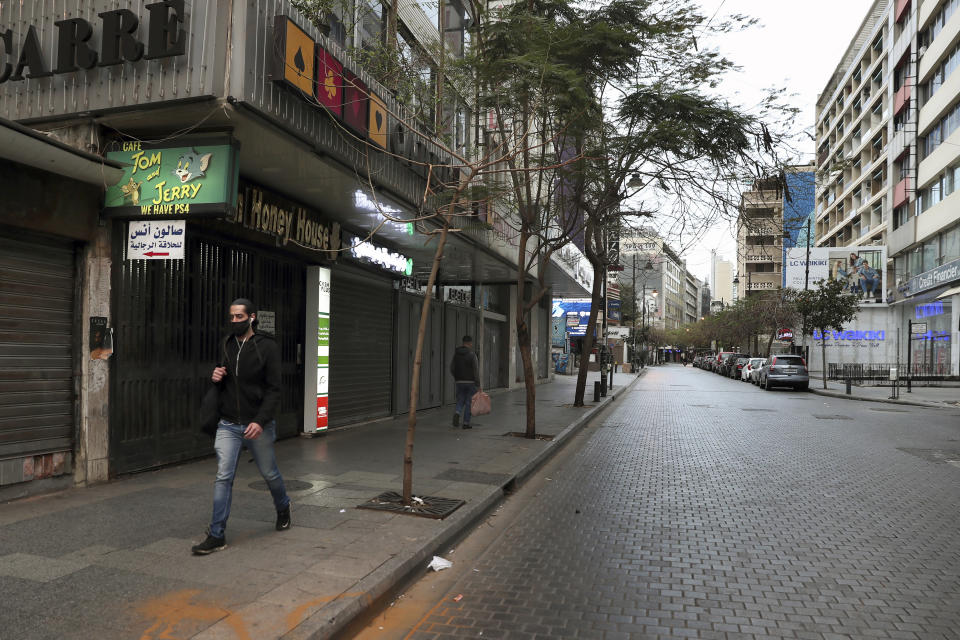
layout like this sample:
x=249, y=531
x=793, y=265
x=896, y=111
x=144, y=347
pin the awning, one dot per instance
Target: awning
x=26, y=146
x=948, y=293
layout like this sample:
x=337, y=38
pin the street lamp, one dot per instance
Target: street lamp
x=736, y=281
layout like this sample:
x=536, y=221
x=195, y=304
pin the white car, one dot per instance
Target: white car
x=746, y=374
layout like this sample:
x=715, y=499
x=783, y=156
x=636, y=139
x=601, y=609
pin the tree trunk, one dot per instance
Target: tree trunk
x=588, y=342
x=529, y=380
x=769, y=345
x=417, y=362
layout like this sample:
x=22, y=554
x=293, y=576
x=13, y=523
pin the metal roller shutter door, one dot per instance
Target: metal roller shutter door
x=36, y=346
x=361, y=347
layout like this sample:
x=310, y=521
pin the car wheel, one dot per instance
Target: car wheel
x=766, y=384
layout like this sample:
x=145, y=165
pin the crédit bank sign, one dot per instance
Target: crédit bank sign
x=22, y=55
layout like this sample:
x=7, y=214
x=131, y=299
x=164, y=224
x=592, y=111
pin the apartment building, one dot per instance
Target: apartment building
x=773, y=213
x=678, y=292
x=721, y=276
x=888, y=163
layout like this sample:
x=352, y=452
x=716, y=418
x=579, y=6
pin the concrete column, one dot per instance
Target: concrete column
x=955, y=335
x=93, y=433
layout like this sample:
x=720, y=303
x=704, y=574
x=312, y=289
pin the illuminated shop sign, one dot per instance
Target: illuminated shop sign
x=872, y=336
x=366, y=251
x=929, y=310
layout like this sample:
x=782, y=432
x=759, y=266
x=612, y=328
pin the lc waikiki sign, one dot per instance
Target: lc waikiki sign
x=174, y=182
x=22, y=55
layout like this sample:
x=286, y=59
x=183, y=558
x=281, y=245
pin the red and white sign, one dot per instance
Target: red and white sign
x=785, y=334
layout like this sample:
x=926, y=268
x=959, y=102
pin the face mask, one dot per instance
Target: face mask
x=239, y=328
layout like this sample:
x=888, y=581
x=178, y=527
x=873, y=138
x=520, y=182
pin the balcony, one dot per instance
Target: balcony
x=900, y=192
x=901, y=10
x=901, y=98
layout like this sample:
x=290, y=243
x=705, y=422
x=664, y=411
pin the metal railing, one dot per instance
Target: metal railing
x=878, y=374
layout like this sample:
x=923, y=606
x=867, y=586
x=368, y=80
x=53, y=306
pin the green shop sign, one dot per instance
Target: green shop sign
x=175, y=182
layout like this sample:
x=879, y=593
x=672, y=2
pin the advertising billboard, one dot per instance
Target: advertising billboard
x=861, y=269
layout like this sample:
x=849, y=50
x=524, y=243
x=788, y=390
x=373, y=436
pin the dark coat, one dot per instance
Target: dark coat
x=250, y=392
x=464, y=366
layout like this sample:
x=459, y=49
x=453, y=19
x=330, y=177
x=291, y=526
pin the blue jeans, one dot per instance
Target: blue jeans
x=228, y=445
x=465, y=391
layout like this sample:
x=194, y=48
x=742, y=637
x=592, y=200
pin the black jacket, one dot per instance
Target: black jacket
x=250, y=392
x=464, y=366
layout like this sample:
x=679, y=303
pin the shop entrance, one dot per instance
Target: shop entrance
x=169, y=318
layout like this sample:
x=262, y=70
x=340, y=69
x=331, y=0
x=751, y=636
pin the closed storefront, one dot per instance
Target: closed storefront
x=459, y=321
x=37, y=291
x=431, y=367
x=361, y=346
x=170, y=318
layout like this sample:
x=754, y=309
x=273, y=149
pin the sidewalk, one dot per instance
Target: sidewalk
x=113, y=561
x=921, y=396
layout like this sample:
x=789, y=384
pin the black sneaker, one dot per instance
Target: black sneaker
x=456, y=419
x=467, y=426
x=283, y=519
x=209, y=545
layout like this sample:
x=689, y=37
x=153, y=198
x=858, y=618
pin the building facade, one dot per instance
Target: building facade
x=258, y=160
x=887, y=150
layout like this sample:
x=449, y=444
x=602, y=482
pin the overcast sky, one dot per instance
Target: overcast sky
x=796, y=45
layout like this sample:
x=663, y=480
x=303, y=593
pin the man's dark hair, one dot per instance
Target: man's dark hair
x=467, y=339
x=248, y=307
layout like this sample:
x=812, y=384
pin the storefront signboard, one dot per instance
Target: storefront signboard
x=286, y=222
x=370, y=253
x=119, y=37
x=316, y=414
x=156, y=239
x=162, y=181
x=267, y=321
x=941, y=275
x=918, y=328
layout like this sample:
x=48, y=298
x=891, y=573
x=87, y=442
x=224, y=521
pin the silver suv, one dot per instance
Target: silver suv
x=785, y=371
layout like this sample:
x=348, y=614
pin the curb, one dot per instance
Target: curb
x=844, y=396
x=336, y=616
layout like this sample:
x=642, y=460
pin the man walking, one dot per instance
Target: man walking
x=466, y=375
x=249, y=398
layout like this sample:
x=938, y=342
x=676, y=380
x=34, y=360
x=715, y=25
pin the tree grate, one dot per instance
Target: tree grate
x=522, y=434
x=431, y=507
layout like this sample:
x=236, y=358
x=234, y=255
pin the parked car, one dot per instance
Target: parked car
x=728, y=362
x=716, y=363
x=748, y=368
x=755, y=372
x=785, y=371
x=736, y=367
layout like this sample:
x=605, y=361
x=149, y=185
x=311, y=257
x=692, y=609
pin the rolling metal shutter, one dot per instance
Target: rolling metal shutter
x=36, y=346
x=361, y=347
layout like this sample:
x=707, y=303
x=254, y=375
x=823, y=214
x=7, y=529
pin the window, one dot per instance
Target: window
x=901, y=215
x=950, y=245
x=915, y=262
x=941, y=130
x=931, y=254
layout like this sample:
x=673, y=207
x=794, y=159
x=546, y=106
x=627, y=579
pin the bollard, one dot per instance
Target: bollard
x=610, y=385
x=603, y=386
x=909, y=378
x=596, y=391
x=848, y=386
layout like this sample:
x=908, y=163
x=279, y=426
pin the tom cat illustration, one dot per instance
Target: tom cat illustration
x=192, y=165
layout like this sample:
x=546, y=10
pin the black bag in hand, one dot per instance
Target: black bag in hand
x=210, y=410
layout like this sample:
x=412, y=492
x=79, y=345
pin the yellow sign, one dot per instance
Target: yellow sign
x=378, y=121
x=299, y=61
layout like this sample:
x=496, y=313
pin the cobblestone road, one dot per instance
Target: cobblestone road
x=708, y=508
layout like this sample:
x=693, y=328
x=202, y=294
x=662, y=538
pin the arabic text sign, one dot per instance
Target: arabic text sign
x=156, y=239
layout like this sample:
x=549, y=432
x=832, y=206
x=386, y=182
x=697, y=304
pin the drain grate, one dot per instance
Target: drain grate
x=832, y=417
x=477, y=477
x=291, y=485
x=428, y=507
